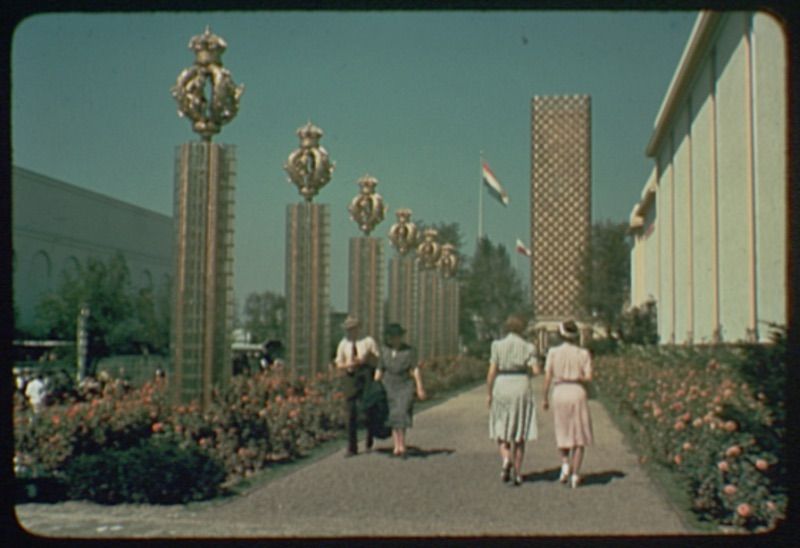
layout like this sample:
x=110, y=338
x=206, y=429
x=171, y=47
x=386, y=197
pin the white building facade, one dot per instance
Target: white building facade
x=710, y=230
x=57, y=226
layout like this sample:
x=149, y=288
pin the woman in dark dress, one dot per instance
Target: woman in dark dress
x=398, y=369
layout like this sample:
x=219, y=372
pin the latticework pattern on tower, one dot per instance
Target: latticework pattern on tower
x=560, y=202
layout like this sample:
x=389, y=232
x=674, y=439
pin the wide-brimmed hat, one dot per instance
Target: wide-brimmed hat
x=568, y=330
x=394, y=330
x=350, y=322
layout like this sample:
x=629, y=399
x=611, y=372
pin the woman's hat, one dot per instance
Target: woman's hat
x=350, y=322
x=568, y=329
x=394, y=330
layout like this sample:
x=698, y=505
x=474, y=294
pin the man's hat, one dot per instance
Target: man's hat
x=568, y=329
x=350, y=322
x=394, y=330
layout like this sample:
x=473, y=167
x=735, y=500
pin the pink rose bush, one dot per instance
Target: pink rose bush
x=257, y=420
x=699, y=413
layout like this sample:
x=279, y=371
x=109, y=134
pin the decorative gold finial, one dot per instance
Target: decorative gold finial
x=403, y=233
x=367, y=208
x=448, y=261
x=309, y=166
x=428, y=251
x=208, y=115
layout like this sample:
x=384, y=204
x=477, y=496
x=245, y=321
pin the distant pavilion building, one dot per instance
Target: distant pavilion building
x=57, y=226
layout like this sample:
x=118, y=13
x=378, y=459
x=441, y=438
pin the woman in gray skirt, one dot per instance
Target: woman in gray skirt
x=399, y=371
x=512, y=408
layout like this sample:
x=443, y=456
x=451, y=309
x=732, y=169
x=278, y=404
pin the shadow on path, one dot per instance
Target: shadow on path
x=413, y=451
x=596, y=478
x=601, y=478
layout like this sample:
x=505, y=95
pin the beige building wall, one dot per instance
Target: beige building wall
x=769, y=100
x=683, y=224
x=702, y=170
x=718, y=258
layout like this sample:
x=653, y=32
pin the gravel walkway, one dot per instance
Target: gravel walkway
x=448, y=486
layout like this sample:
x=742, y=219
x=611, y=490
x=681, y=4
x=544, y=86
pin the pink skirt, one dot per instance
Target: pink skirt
x=573, y=424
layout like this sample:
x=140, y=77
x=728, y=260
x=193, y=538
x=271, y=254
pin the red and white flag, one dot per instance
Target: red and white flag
x=521, y=248
x=495, y=188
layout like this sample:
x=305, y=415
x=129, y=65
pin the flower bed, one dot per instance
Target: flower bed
x=714, y=417
x=257, y=420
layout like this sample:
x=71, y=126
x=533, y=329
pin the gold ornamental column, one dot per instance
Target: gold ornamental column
x=308, y=257
x=203, y=219
x=403, y=274
x=449, y=302
x=365, y=295
x=428, y=296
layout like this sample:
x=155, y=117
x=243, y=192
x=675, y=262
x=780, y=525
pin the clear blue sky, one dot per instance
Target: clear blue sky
x=408, y=97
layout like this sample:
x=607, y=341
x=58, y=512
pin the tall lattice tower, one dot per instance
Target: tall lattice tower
x=561, y=201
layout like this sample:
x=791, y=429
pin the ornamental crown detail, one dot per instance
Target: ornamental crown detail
x=205, y=92
x=367, y=208
x=208, y=47
x=309, y=166
x=429, y=251
x=403, y=234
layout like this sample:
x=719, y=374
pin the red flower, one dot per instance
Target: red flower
x=729, y=489
x=157, y=427
x=56, y=419
x=762, y=465
x=680, y=425
x=677, y=459
x=723, y=465
x=731, y=426
x=744, y=510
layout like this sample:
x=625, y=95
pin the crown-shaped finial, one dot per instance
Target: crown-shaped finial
x=367, y=208
x=208, y=47
x=309, y=135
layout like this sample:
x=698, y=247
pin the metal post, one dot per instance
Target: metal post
x=82, y=341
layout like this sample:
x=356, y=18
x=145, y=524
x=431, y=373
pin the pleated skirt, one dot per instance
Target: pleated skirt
x=573, y=424
x=512, y=416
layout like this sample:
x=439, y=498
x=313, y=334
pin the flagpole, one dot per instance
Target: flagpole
x=480, y=199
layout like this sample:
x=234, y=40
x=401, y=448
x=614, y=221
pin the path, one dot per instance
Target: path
x=449, y=485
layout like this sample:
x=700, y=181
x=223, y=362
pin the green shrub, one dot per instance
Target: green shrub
x=158, y=471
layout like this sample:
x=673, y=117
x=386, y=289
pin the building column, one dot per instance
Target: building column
x=716, y=335
x=690, y=227
x=752, y=328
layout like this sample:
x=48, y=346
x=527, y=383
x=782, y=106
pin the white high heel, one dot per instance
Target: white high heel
x=564, y=473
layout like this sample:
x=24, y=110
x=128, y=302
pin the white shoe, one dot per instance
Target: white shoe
x=564, y=473
x=574, y=480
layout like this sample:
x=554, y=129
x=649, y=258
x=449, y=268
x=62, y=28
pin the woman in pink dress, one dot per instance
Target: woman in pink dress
x=568, y=367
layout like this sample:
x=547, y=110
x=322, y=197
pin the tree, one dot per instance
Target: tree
x=119, y=321
x=491, y=290
x=264, y=315
x=605, y=279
